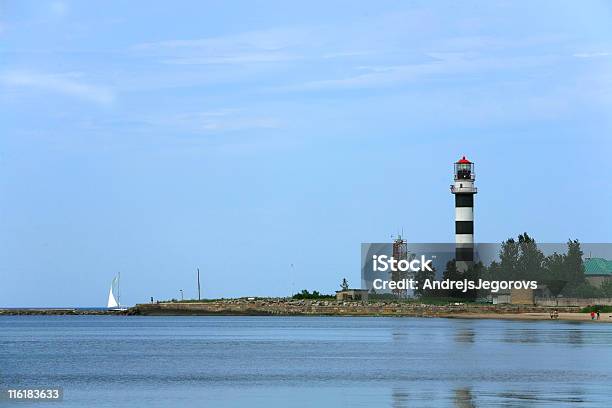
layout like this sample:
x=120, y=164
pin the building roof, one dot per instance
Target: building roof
x=351, y=290
x=463, y=160
x=597, y=266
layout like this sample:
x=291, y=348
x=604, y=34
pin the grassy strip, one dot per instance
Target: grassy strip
x=596, y=308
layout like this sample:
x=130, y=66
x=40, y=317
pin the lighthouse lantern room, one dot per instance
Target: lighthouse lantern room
x=464, y=177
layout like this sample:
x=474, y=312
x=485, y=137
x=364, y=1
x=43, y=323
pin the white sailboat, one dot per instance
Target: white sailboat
x=113, y=295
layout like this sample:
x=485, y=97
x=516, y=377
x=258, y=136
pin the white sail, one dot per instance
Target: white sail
x=112, y=302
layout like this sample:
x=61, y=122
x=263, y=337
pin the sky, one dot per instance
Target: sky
x=264, y=141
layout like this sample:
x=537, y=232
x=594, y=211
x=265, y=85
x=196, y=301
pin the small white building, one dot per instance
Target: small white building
x=502, y=297
x=352, y=294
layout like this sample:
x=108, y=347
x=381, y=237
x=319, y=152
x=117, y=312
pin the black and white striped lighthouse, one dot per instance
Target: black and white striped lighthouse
x=464, y=190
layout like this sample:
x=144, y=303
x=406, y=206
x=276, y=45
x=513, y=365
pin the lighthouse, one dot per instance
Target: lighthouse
x=463, y=189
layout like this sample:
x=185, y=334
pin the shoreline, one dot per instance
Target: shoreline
x=56, y=311
x=286, y=307
x=566, y=317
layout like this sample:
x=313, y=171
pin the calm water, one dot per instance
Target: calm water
x=110, y=361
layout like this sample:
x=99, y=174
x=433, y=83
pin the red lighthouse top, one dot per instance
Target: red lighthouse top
x=464, y=172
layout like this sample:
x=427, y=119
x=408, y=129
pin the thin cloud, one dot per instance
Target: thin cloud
x=592, y=54
x=232, y=59
x=62, y=84
x=58, y=8
x=223, y=120
x=442, y=65
x=249, y=47
x=376, y=76
x=273, y=39
x=264, y=46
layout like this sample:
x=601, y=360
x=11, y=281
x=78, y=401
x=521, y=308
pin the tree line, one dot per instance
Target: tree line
x=521, y=259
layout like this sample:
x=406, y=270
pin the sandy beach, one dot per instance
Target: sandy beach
x=284, y=307
x=577, y=317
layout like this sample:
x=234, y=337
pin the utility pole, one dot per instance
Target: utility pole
x=292, y=281
x=199, y=298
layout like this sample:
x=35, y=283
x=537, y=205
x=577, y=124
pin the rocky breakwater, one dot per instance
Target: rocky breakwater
x=286, y=307
x=58, y=312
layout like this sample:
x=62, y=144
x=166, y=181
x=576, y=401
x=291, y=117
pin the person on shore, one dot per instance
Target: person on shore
x=592, y=315
x=598, y=315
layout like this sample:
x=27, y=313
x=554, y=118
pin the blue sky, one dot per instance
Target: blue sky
x=243, y=137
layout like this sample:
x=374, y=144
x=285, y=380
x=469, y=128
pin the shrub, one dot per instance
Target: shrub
x=304, y=294
x=595, y=308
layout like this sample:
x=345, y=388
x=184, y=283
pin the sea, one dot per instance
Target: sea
x=225, y=361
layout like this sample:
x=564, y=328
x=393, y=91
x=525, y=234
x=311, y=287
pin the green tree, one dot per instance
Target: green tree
x=520, y=259
x=508, y=256
x=523, y=260
x=421, y=276
x=606, y=288
x=574, y=264
x=474, y=272
x=530, y=259
x=451, y=273
x=305, y=294
x=573, y=273
x=555, y=266
x=584, y=290
x=555, y=273
x=492, y=272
